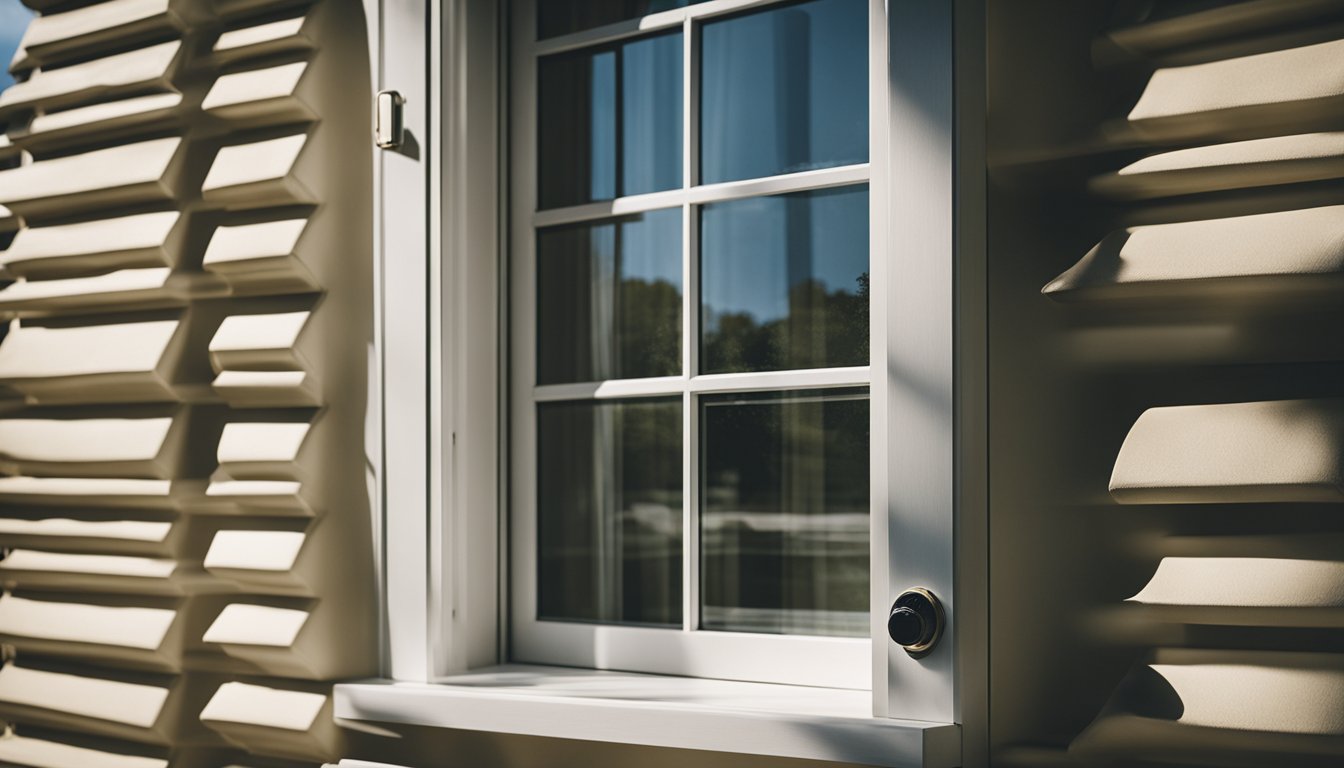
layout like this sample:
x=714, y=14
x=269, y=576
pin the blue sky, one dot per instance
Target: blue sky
x=14, y=18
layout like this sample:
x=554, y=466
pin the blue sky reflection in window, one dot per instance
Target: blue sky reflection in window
x=14, y=18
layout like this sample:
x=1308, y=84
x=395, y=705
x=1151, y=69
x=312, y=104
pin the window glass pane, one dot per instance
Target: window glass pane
x=609, y=121
x=561, y=17
x=784, y=513
x=784, y=281
x=609, y=511
x=14, y=18
x=784, y=90
x=609, y=299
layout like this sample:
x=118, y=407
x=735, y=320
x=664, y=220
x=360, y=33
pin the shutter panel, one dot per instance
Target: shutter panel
x=1231, y=217
x=183, y=386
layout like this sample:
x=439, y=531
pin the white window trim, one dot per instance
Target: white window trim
x=791, y=659
x=440, y=523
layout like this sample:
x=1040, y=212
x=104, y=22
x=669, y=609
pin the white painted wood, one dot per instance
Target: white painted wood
x=254, y=86
x=104, y=565
x=1236, y=165
x=1245, y=582
x=256, y=442
x=267, y=389
x=245, y=624
x=126, y=288
x=124, y=166
x=1289, y=450
x=254, y=241
x=36, y=352
x=54, y=27
x=1251, y=250
x=36, y=753
x=112, y=530
x=254, y=550
x=1280, y=78
x=262, y=33
x=141, y=628
x=83, y=440
x=144, y=67
x=253, y=488
x=252, y=163
x=110, y=489
x=676, y=712
x=95, y=114
x=83, y=245
x=129, y=703
x=262, y=706
x=258, y=333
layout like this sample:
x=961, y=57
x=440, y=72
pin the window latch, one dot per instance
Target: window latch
x=389, y=123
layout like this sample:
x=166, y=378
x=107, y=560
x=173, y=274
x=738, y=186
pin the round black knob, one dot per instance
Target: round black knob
x=916, y=621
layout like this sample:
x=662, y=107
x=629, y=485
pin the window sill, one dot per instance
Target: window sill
x=658, y=711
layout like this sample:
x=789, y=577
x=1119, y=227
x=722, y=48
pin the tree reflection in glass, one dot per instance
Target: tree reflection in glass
x=609, y=511
x=784, y=513
x=609, y=299
x=784, y=282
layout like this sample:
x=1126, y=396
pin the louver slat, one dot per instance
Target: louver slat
x=260, y=97
x=1245, y=591
x=263, y=451
x=129, y=710
x=259, y=361
x=277, y=37
x=1218, y=22
x=144, y=537
x=1225, y=708
x=132, y=362
x=1238, y=165
x=127, y=289
x=143, y=447
x=267, y=497
x=293, y=640
x=1262, y=255
x=151, y=239
x=264, y=561
x=52, y=37
x=103, y=121
x=81, y=573
x=130, y=174
x=115, y=493
x=39, y=753
x=261, y=258
x=145, y=69
x=129, y=636
x=257, y=175
x=284, y=722
x=1287, y=88
x=1234, y=453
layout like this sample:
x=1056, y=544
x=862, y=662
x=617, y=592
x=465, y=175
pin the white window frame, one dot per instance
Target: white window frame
x=441, y=366
x=790, y=659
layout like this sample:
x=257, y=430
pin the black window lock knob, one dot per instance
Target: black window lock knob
x=916, y=621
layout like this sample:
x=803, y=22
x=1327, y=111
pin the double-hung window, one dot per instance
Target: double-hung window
x=690, y=349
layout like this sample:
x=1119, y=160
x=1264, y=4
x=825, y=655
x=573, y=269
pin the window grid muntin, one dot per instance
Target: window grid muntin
x=690, y=385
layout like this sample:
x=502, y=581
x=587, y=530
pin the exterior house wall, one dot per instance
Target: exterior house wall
x=1165, y=575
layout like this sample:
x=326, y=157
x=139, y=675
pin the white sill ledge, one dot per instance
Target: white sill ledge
x=659, y=711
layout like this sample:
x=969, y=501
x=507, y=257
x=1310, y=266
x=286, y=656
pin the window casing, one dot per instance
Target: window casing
x=689, y=573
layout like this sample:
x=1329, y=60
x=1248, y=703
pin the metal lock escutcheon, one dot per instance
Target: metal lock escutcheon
x=916, y=621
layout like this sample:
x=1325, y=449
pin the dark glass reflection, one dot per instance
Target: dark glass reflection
x=784, y=90
x=561, y=17
x=609, y=511
x=609, y=121
x=784, y=282
x=784, y=513
x=609, y=299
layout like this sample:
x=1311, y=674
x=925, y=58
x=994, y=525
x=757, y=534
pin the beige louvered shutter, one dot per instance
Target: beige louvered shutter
x=183, y=487
x=1229, y=241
